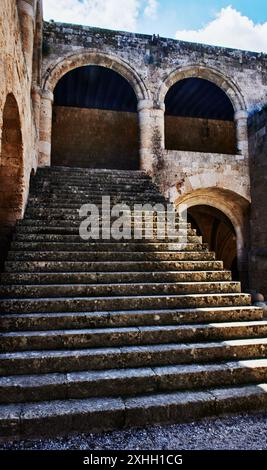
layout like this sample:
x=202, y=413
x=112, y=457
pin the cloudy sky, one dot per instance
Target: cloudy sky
x=238, y=23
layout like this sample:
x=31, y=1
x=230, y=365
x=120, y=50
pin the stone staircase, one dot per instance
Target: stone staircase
x=109, y=334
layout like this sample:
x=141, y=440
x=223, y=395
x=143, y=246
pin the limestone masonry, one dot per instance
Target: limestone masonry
x=110, y=334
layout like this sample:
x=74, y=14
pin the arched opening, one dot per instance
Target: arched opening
x=221, y=216
x=95, y=120
x=11, y=173
x=218, y=232
x=199, y=117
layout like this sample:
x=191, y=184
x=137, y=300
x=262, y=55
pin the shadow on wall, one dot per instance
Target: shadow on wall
x=218, y=231
x=11, y=174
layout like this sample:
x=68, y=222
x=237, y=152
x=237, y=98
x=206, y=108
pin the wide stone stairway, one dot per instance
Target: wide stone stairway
x=106, y=334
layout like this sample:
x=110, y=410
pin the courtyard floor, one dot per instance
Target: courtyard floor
x=241, y=432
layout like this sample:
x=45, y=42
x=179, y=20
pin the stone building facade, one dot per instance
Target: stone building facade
x=258, y=170
x=20, y=69
x=204, y=163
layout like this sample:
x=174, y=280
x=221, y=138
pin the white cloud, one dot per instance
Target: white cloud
x=151, y=10
x=112, y=14
x=230, y=29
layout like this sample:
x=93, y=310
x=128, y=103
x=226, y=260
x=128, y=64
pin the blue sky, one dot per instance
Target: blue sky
x=176, y=15
x=232, y=23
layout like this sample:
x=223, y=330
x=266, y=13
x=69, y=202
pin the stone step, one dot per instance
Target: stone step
x=129, y=336
x=51, y=230
x=117, y=289
x=157, y=227
x=103, y=178
x=107, y=278
x=68, y=213
x=57, y=240
x=78, y=320
x=88, y=172
x=89, y=183
x=76, y=203
x=193, y=244
x=64, y=190
x=74, y=238
x=72, y=207
x=112, y=266
x=64, y=196
x=100, y=233
x=91, y=175
x=77, y=200
x=130, y=382
x=92, y=171
x=137, y=208
x=129, y=178
x=95, y=256
x=66, y=224
x=63, y=215
x=97, y=201
x=152, y=355
x=58, y=234
x=97, y=304
x=97, y=414
x=94, y=192
x=115, y=177
x=87, y=326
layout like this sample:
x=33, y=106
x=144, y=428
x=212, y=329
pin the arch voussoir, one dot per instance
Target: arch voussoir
x=55, y=72
x=215, y=76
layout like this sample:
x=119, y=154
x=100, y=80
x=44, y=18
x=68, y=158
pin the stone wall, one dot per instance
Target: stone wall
x=18, y=126
x=95, y=138
x=152, y=65
x=258, y=153
x=220, y=176
x=200, y=135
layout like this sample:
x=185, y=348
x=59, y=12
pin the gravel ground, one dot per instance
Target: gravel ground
x=242, y=432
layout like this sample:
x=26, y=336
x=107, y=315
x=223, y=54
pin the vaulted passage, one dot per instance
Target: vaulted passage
x=199, y=117
x=11, y=173
x=95, y=120
x=218, y=232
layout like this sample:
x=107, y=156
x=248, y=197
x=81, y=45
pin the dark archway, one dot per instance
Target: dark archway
x=11, y=173
x=199, y=117
x=218, y=231
x=95, y=120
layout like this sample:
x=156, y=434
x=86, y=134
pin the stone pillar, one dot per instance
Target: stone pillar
x=36, y=103
x=45, y=129
x=241, y=120
x=26, y=16
x=243, y=268
x=151, y=124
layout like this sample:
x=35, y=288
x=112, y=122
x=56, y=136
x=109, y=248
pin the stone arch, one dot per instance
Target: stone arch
x=97, y=107
x=11, y=172
x=56, y=71
x=11, y=162
x=230, y=88
x=236, y=209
